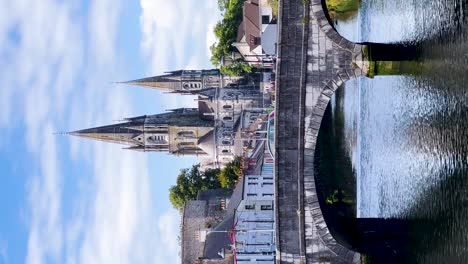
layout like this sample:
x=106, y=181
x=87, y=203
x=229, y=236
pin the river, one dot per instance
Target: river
x=398, y=145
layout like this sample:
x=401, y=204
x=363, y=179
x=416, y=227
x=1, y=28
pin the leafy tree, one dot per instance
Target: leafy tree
x=274, y=6
x=222, y=5
x=230, y=174
x=189, y=183
x=226, y=30
x=238, y=68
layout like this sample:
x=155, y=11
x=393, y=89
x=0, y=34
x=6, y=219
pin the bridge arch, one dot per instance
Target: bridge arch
x=319, y=11
x=313, y=215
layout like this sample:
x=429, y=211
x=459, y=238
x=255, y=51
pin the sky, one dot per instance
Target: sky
x=70, y=200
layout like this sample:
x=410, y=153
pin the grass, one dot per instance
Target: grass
x=342, y=9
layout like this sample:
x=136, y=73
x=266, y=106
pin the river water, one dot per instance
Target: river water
x=402, y=140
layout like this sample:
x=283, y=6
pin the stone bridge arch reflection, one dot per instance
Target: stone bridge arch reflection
x=390, y=239
x=313, y=61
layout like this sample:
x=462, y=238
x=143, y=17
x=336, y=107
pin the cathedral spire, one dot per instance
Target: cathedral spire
x=163, y=82
x=177, y=131
x=182, y=81
x=123, y=133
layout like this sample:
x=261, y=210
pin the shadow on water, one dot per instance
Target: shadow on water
x=383, y=239
x=404, y=22
x=404, y=140
x=432, y=230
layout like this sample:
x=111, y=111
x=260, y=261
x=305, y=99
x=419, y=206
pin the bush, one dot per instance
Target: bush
x=189, y=183
x=226, y=30
x=236, y=69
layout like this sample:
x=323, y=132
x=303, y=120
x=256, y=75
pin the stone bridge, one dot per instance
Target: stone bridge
x=313, y=61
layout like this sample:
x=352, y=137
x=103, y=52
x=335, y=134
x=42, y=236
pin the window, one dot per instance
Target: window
x=267, y=194
x=186, y=144
x=249, y=206
x=157, y=139
x=226, y=142
x=188, y=134
x=266, y=19
x=251, y=194
x=268, y=178
x=253, y=183
x=266, y=207
x=227, y=106
x=227, y=118
x=255, y=40
x=267, y=183
x=225, y=151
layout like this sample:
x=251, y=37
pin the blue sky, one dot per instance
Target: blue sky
x=69, y=200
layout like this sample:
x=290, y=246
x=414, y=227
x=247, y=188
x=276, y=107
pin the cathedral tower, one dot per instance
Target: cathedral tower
x=193, y=81
x=180, y=132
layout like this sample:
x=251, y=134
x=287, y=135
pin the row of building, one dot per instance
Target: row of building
x=221, y=226
x=234, y=227
x=257, y=34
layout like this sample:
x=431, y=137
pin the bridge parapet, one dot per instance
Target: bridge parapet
x=314, y=60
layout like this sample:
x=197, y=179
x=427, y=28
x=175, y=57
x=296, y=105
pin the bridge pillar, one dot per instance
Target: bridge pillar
x=393, y=52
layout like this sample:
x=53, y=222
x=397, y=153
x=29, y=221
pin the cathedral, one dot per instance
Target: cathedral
x=212, y=132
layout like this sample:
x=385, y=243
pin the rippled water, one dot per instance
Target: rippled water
x=406, y=137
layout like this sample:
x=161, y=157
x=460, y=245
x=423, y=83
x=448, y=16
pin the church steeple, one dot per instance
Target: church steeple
x=182, y=81
x=124, y=133
x=169, y=82
x=179, y=131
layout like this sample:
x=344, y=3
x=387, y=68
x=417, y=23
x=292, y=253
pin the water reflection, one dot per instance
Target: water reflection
x=404, y=21
x=398, y=145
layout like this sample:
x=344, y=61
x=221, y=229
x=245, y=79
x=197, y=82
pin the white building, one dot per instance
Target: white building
x=257, y=34
x=254, y=223
x=254, y=229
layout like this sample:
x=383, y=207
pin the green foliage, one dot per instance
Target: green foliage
x=226, y=30
x=342, y=9
x=222, y=5
x=238, y=68
x=230, y=174
x=275, y=6
x=337, y=197
x=189, y=183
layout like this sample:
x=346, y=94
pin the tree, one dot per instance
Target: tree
x=226, y=30
x=189, y=183
x=230, y=174
x=222, y=5
x=238, y=68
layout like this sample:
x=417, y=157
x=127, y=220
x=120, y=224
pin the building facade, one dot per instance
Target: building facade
x=254, y=227
x=211, y=132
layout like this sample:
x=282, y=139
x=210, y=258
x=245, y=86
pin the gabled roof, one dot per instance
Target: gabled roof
x=250, y=26
x=204, y=110
x=193, y=219
x=207, y=143
x=217, y=241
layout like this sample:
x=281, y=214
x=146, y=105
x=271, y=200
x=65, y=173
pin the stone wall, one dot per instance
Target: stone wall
x=313, y=62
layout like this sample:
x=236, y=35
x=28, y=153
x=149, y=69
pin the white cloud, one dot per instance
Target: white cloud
x=168, y=229
x=55, y=74
x=174, y=28
x=176, y=35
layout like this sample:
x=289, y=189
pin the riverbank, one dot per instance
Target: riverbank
x=342, y=9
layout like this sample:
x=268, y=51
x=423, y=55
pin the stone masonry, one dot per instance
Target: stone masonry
x=313, y=61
